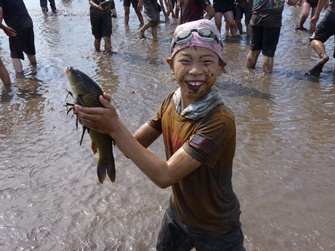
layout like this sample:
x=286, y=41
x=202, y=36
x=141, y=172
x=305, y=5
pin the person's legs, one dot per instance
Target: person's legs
x=267, y=64
x=139, y=16
x=304, y=14
x=239, y=26
x=324, y=30
x=248, y=28
x=44, y=6
x=252, y=59
x=269, y=46
x=17, y=64
x=218, y=20
x=154, y=32
x=229, y=18
x=32, y=59
x=53, y=6
x=97, y=42
x=238, y=14
x=143, y=29
x=311, y=26
x=320, y=49
x=108, y=44
x=172, y=235
x=4, y=74
x=126, y=15
x=255, y=47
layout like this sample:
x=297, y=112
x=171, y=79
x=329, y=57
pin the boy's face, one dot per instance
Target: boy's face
x=196, y=70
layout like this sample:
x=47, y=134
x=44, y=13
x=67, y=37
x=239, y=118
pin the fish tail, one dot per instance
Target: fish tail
x=106, y=168
x=111, y=171
x=102, y=169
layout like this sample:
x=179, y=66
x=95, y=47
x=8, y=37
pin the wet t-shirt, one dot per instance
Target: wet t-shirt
x=15, y=14
x=204, y=200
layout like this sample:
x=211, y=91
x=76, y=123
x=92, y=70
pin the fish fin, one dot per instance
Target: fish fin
x=82, y=135
x=94, y=148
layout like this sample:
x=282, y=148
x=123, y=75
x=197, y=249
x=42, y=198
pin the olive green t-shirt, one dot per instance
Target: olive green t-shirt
x=204, y=200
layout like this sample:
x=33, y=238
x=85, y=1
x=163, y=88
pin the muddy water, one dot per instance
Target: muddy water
x=50, y=197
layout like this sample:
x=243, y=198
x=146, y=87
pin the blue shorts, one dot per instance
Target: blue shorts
x=24, y=41
x=174, y=236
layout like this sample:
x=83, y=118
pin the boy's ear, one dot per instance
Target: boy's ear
x=222, y=65
x=170, y=62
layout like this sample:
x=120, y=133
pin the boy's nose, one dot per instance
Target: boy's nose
x=197, y=69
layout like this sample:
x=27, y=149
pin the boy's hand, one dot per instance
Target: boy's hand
x=102, y=119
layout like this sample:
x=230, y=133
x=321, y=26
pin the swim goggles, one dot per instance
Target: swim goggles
x=204, y=34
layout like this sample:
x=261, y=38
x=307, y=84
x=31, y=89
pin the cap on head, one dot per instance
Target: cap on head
x=209, y=39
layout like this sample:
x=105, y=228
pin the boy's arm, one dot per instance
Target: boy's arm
x=146, y=135
x=162, y=173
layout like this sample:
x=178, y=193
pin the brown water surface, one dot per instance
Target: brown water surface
x=284, y=170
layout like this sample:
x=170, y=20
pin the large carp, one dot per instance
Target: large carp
x=86, y=92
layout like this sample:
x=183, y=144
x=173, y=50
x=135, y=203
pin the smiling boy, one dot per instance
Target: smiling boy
x=199, y=134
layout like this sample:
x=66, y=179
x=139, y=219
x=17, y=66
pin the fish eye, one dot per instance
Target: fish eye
x=78, y=75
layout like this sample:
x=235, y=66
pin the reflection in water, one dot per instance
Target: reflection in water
x=50, y=197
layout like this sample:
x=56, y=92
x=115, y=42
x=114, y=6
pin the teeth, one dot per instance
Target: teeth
x=195, y=83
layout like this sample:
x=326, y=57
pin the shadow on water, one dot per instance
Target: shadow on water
x=238, y=90
x=140, y=60
x=25, y=88
x=326, y=77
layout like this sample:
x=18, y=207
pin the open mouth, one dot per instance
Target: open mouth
x=195, y=85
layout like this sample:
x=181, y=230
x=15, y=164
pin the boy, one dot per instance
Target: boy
x=199, y=134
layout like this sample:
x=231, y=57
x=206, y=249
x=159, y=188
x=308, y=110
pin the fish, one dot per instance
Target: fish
x=86, y=92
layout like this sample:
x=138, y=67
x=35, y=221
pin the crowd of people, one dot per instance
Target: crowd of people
x=262, y=21
x=198, y=128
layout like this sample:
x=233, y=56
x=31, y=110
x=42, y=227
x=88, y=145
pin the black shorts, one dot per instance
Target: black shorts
x=312, y=3
x=223, y=6
x=247, y=11
x=174, y=235
x=325, y=29
x=101, y=24
x=24, y=41
x=265, y=40
x=127, y=3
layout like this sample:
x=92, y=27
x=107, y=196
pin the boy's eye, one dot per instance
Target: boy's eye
x=207, y=62
x=184, y=60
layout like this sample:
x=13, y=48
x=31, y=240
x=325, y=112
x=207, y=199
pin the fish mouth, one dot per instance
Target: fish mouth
x=68, y=70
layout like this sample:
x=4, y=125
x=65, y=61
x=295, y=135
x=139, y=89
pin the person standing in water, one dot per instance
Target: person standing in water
x=199, y=134
x=101, y=24
x=44, y=6
x=266, y=22
x=324, y=30
x=4, y=76
x=20, y=31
